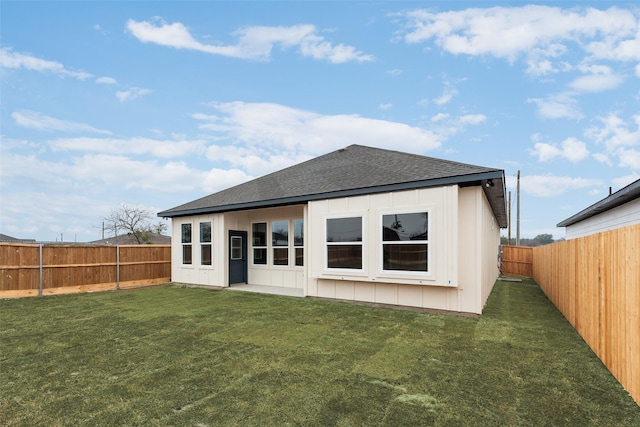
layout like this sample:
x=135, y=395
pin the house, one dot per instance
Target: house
x=617, y=210
x=359, y=224
x=128, y=239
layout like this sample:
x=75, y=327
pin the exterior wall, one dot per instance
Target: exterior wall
x=479, y=242
x=195, y=273
x=621, y=216
x=463, y=246
x=270, y=275
x=440, y=289
x=218, y=273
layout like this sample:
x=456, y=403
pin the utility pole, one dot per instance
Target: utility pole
x=518, y=211
x=509, y=220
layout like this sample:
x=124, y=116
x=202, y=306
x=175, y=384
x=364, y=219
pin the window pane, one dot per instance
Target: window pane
x=344, y=229
x=205, y=254
x=205, y=232
x=405, y=257
x=236, y=247
x=280, y=233
x=299, y=257
x=411, y=226
x=281, y=256
x=186, y=233
x=344, y=256
x=298, y=232
x=186, y=254
x=259, y=234
x=260, y=256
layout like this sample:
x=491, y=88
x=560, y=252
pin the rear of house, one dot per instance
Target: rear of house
x=358, y=224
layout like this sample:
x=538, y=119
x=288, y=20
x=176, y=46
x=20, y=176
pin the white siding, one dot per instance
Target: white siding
x=441, y=289
x=463, y=245
x=621, y=216
x=195, y=273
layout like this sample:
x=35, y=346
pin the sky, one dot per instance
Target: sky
x=155, y=104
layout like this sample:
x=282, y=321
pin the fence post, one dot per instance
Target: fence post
x=117, y=266
x=40, y=286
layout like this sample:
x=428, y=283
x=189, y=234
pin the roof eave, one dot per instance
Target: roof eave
x=477, y=178
x=620, y=197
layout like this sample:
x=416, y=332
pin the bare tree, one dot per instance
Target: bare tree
x=133, y=220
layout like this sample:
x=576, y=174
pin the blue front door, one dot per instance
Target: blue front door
x=237, y=257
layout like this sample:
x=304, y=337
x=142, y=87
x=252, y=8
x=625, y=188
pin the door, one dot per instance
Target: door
x=237, y=257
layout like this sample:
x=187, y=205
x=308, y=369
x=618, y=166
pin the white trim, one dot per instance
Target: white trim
x=404, y=274
x=363, y=243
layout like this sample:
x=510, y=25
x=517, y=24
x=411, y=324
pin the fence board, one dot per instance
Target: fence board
x=517, y=260
x=595, y=282
x=79, y=268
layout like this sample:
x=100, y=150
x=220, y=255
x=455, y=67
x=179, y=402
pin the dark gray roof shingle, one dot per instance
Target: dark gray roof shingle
x=349, y=171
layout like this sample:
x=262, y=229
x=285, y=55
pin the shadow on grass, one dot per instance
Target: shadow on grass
x=189, y=356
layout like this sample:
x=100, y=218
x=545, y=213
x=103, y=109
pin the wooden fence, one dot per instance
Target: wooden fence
x=595, y=282
x=46, y=269
x=517, y=260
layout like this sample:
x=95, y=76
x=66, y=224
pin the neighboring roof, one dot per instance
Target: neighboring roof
x=128, y=239
x=355, y=170
x=5, y=238
x=620, y=197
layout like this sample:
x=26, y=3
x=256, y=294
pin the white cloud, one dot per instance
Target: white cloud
x=557, y=106
x=106, y=81
x=614, y=132
x=136, y=146
x=440, y=117
x=131, y=93
x=446, y=96
x=385, y=107
x=637, y=69
x=531, y=30
x=255, y=42
x=473, y=119
x=629, y=158
x=281, y=129
x=552, y=186
x=599, y=78
x=570, y=149
x=623, y=181
x=16, y=60
x=39, y=121
x=397, y=72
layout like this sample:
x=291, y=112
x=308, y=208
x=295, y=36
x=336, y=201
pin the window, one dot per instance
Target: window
x=405, y=242
x=280, y=242
x=186, y=243
x=298, y=241
x=236, y=247
x=205, y=243
x=259, y=242
x=344, y=243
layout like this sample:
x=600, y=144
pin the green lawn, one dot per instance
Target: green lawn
x=174, y=355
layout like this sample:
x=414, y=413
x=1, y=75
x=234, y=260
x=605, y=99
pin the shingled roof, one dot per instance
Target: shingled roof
x=355, y=170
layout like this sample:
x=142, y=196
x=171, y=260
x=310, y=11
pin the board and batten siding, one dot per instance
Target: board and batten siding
x=217, y=274
x=460, y=222
x=618, y=217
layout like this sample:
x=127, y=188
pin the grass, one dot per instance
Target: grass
x=175, y=355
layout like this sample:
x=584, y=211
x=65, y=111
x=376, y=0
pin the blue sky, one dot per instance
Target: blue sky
x=159, y=103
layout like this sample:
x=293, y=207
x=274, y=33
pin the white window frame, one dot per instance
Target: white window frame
x=265, y=247
x=184, y=244
x=273, y=247
x=362, y=243
x=405, y=273
x=209, y=243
